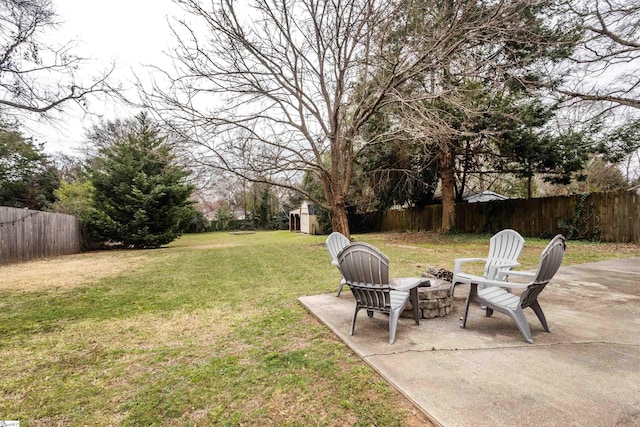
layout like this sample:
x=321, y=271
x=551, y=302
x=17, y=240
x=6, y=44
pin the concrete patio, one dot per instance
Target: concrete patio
x=586, y=372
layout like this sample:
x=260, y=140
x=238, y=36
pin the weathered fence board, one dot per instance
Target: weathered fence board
x=26, y=234
x=611, y=217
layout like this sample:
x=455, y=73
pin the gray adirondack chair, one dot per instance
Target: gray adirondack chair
x=366, y=271
x=494, y=297
x=504, y=250
x=336, y=242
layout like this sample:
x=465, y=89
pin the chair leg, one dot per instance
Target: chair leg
x=523, y=325
x=393, y=324
x=488, y=312
x=353, y=321
x=342, y=283
x=535, y=306
x=473, y=290
x=415, y=304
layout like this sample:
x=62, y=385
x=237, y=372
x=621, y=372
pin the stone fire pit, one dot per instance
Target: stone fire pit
x=434, y=301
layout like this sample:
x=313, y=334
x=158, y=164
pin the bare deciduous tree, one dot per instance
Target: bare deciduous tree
x=37, y=77
x=605, y=67
x=280, y=87
x=602, y=78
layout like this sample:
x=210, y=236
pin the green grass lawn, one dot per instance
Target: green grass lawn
x=207, y=331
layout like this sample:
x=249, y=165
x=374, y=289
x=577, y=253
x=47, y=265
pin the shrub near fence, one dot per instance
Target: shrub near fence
x=610, y=217
x=27, y=234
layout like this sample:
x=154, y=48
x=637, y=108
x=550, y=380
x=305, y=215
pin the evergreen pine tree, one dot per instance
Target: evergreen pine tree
x=141, y=199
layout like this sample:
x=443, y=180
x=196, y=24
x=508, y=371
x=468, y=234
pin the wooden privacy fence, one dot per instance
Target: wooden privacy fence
x=610, y=217
x=27, y=234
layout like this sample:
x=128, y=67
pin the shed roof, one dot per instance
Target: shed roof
x=485, y=196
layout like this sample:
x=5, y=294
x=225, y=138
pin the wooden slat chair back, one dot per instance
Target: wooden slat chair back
x=504, y=249
x=495, y=297
x=336, y=242
x=366, y=271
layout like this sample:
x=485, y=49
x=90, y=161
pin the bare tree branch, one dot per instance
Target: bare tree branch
x=277, y=88
x=36, y=77
x=605, y=66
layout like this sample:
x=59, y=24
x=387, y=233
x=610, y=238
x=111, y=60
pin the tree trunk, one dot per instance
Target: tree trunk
x=339, y=219
x=447, y=181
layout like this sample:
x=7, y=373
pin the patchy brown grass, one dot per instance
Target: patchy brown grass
x=216, y=246
x=206, y=333
x=443, y=249
x=432, y=238
x=66, y=272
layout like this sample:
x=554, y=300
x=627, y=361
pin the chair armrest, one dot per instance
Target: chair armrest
x=495, y=270
x=502, y=284
x=505, y=275
x=459, y=261
x=520, y=273
x=405, y=283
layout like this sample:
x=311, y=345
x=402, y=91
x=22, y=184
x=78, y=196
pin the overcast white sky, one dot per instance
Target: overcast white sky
x=130, y=33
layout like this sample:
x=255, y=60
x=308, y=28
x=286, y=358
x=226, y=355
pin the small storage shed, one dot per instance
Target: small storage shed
x=304, y=219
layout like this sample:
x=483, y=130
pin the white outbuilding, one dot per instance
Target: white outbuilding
x=304, y=219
